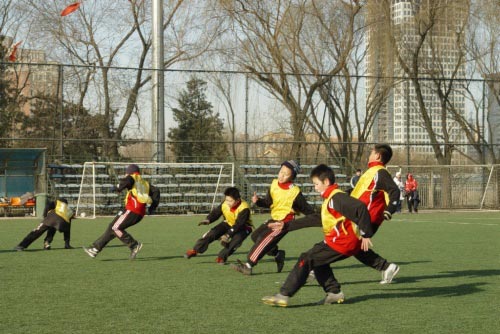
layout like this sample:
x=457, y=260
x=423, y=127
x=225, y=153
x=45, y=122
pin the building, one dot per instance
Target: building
x=395, y=29
x=32, y=76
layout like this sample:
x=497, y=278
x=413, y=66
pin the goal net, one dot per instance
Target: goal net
x=185, y=187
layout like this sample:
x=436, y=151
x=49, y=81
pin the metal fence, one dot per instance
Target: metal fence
x=258, y=120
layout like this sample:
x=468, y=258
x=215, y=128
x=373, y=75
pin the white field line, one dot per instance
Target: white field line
x=451, y=222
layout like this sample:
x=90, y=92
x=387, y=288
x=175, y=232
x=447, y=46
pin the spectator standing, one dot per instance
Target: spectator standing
x=399, y=182
x=355, y=178
x=412, y=196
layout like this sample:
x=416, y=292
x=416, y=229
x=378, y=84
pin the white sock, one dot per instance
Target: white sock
x=248, y=265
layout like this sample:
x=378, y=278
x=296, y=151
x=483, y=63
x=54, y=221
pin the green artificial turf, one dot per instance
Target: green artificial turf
x=449, y=281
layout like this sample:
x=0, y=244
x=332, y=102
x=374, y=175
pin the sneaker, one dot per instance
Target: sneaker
x=242, y=268
x=389, y=273
x=19, y=248
x=190, y=253
x=92, y=252
x=46, y=245
x=220, y=260
x=68, y=246
x=280, y=260
x=276, y=300
x=311, y=277
x=135, y=250
x=332, y=298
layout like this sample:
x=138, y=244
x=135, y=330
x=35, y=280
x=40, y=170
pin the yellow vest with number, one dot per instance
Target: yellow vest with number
x=140, y=190
x=282, y=200
x=231, y=216
x=63, y=210
x=330, y=222
x=365, y=181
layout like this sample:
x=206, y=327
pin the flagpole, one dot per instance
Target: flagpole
x=158, y=112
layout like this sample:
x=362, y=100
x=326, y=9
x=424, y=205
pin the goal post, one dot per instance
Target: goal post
x=185, y=187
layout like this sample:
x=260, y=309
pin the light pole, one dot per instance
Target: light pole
x=158, y=82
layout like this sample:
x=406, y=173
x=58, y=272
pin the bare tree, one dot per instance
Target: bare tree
x=280, y=41
x=102, y=35
x=483, y=47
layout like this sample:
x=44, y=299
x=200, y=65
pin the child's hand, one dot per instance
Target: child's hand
x=255, y=197
x=276, y=226
x=366, y=243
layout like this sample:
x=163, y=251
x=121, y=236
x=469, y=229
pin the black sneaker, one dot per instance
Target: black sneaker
x=280, y=260
x=242, y=268
x=19, y=248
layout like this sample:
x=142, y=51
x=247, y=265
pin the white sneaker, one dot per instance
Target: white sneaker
x=92, y=252
x=332, y=298
x=135, y=250
x=389, y=273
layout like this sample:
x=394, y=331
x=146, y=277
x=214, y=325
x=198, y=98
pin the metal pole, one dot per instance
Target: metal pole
x=246, y=119
x=158, y=114
x=61, y=109
x=408, y=123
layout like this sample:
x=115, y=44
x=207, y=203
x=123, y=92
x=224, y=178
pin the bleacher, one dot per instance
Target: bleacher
x=184, y=189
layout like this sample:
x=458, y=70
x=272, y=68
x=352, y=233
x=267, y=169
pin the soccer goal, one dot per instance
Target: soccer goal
x=185, y=187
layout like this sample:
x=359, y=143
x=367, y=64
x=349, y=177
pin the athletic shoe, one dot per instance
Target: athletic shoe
x=276, y=300
x=135, y=250
x=311, y=277
x=389, y=273
x=190, y=253
x=332, y=298
x=46, y=245
x=68, y=246
x=220, y=260
x=92, y=252
x=19, y=248
x=242, y=268
x=280, y=260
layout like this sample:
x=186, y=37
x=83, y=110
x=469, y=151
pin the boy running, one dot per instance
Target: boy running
x=377, y=189
x=347, y=230
x=285, y=199
x=57, y=216
x=139, y=194
x=232, y=231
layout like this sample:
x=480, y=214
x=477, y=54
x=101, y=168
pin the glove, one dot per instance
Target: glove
x=387, y=215
x=113, y=189
x=224, y=240
x=204, y=222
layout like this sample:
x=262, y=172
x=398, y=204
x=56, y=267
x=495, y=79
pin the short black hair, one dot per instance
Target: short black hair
x=232, y=192
x=323, y=172
x=385, y=152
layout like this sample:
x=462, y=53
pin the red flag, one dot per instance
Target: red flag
x=12, y=56
x=70, y=9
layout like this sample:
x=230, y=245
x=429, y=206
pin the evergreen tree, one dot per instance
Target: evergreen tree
x=199, y=134
x=45, y=119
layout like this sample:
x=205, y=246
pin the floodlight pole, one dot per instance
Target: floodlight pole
x=158, y=82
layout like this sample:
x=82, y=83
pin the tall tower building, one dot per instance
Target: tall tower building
x=394, y=36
